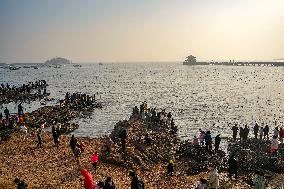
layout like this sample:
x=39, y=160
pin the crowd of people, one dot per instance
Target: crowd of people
x=79, y=100
x=10, y=93
x=158, y=119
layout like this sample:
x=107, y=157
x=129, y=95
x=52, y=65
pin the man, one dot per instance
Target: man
x=217, y=142
x=7, y=113
x=235, y=131
x=233, y=167
x=255, y=130
x=135, y=182
x=123, y=136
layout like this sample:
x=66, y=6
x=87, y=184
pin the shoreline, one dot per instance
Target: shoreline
x=52, y=167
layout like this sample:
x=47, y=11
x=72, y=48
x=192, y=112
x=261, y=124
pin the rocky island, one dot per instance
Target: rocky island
x=58, y=61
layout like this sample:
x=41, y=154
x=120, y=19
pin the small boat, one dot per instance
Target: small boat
x=77, y=65
x=100, y=63
x=14, y=68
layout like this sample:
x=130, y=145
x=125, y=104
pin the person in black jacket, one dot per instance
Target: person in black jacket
x=20, y=184
x=73, y=143
x=109, y=184
x=135, y=182
x=217, y=142
x=233, y=167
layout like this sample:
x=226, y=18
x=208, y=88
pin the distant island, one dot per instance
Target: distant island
x=58, y=61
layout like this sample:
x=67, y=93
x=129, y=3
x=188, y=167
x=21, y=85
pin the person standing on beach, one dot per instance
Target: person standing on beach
x=73, y=143
x=235, y=132
x=261, y=133
x=276, y=132
x=266, y=132
x=246, y=133
x=259, y=181
x=255, y=130
x=39, y=141
x=201, y=137
x=95, y=159
x=135, y=182
x=233, y=167
x=109, y=184
x=217, y=142
x=123, y=136
x=213, y=179
x=281, y=135
x=170, y=167
x=208, y=141
x=7, y=113
x=241, y=134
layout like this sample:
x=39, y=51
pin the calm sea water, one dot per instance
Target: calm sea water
x=207, y=97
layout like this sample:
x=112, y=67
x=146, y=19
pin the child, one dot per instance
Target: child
x=95, y=159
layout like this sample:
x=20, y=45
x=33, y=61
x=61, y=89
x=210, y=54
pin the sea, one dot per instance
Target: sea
x=199, y=97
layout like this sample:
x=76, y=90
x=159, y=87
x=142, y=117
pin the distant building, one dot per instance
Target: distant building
x=190, y=60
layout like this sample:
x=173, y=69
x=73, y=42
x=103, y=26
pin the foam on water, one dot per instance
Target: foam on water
x=206, y=97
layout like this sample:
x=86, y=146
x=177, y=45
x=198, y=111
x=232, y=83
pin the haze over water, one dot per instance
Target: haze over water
x=207, y=97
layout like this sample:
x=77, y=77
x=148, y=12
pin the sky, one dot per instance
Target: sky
x=141, y=30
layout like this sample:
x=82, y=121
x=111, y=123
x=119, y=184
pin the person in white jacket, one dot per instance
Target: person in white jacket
x=213, y=179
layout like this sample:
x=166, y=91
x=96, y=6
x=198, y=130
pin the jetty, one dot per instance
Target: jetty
x=191, y=61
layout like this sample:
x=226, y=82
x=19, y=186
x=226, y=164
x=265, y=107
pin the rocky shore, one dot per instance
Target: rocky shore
x=148, y=149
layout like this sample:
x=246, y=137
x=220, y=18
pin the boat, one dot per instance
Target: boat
x=14, y=68
x=100, y=64
x=77, y=65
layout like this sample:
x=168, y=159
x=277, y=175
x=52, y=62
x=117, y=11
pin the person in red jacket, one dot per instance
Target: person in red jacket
x=88, y=179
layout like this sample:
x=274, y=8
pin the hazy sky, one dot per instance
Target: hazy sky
x=141, y=30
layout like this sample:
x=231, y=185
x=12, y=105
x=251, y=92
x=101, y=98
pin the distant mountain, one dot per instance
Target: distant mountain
x=58, y=60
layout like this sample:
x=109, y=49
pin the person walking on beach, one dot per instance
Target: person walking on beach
x=135, y=182
x=233, y=167
x=235, y=132
x=266, y=132
x=217, y=142
x=95, y=159
x=88, y=179
x=39, y=141
x=213, y=179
